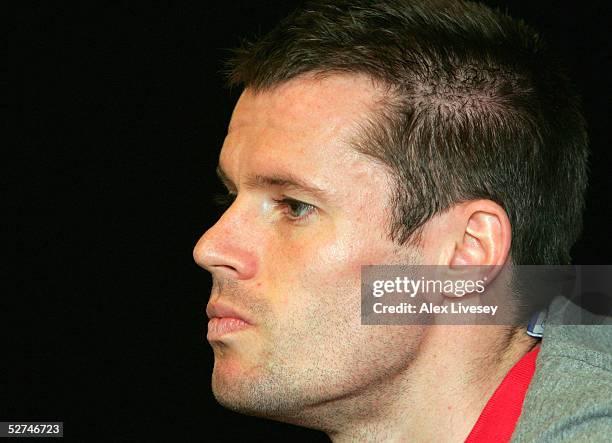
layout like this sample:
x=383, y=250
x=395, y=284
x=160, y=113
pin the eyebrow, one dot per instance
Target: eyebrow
x=284, y=180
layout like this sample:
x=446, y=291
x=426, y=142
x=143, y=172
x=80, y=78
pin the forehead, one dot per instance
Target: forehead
x=302, y=125
x=309, y=103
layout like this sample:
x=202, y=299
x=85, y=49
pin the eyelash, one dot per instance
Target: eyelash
x=289, y=203
x=285, y=204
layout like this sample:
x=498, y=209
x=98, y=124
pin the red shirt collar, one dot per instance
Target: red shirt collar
x=499, y=417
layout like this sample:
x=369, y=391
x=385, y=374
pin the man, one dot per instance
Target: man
x=397, y=132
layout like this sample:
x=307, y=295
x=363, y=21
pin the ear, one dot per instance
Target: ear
x=486, y=235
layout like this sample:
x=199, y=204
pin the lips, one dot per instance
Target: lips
x=224, y=320
x=217, y=310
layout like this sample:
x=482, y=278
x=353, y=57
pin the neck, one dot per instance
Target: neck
x=439, y=396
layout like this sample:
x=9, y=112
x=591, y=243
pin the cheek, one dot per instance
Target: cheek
x=322, y=262
x=302, y=276
x=345, y=257
x=327, y=258
x=322, y=258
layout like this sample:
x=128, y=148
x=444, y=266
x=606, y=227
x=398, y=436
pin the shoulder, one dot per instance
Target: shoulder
x=569, y=397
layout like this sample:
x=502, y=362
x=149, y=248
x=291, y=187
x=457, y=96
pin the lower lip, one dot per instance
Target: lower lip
x=218, y=327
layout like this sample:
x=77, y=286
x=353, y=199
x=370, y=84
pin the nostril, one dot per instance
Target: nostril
x=226, y=268
x=225, y=271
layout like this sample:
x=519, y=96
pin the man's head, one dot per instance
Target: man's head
x=393, y=132
x=292, y=269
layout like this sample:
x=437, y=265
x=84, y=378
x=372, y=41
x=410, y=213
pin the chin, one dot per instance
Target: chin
x=234, y=388
x=245, y=399
x=258, y=396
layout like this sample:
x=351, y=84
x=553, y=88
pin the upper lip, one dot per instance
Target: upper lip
x=221, y=311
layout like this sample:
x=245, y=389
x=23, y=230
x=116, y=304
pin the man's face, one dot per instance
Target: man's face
x=287, y=259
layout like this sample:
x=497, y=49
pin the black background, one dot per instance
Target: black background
x=122, y=112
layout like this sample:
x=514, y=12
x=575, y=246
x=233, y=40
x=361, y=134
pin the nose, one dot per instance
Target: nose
x=225, y=250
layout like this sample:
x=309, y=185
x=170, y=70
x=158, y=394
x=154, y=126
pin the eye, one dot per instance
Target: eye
x=295, y=210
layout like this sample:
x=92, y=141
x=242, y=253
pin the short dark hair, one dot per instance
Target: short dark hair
x=476, y=109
